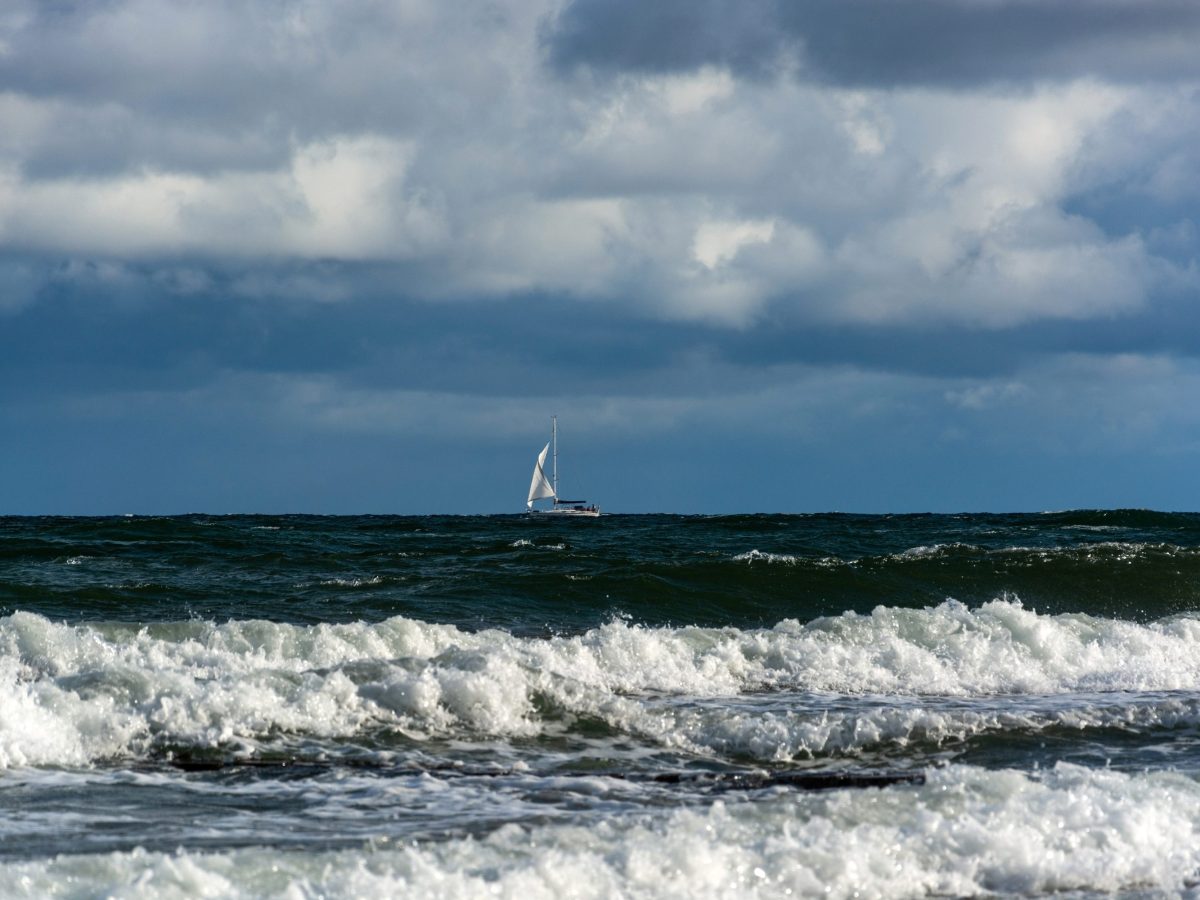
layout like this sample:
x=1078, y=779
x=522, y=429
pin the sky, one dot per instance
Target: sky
x=756, y=255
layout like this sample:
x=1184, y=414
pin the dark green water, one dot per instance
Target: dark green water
x=528, y=575
x=357, y=706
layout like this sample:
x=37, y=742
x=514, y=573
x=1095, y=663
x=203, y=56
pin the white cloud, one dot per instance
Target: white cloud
x=433, y=134
x=864, y=121
x=716, y=243
x=341, y=198
x=530, y=244
x=687, y=94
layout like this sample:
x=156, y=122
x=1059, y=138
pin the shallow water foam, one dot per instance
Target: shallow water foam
x=966, y=832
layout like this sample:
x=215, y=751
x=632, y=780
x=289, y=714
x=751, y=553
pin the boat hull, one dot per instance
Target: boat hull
x=586, y=513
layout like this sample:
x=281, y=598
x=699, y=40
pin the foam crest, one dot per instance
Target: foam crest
x=966, y=832
x=525, y=542
x=72, y=693
x=747, y=731
x=753, y=556
x=934, y=551
x=35, y=728
x=352, y=582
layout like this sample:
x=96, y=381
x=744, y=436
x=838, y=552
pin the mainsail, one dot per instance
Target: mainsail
x=540, y=487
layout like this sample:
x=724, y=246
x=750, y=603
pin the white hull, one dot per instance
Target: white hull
x=589, y=513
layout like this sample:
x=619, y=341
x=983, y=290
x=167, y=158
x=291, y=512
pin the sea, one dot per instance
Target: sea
x=638, y=706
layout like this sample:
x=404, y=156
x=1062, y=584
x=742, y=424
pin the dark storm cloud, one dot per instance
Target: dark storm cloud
x=103, y=333
x=671, y=36
x=137, y=332
x=882, y=42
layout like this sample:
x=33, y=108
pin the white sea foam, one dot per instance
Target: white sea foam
x=74, y=693
x=352, y=582
x=1129, y=550
x=934, y=551
x=752, y=556
x=1098, y=552
x=804, y=732
x=967, y=832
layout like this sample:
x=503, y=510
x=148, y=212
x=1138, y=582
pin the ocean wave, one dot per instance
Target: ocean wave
x=524, y=542
x=1094, y=553
x=1103, y=551
x=965, y=832
x=807, y=732
x=369, y=581
x=759, y=556
x=70, y=694
x=787, y=559
x=934, y=551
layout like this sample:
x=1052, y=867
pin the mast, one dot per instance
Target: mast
x=554, y=442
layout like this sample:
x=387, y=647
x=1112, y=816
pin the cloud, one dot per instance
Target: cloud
x=460, y=147
x=166, y=84
x=717, y=243
x=343, y=199
x=203, y=396
x=1084, y=403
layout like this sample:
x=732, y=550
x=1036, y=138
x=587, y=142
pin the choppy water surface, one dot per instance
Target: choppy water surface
x=626, y=706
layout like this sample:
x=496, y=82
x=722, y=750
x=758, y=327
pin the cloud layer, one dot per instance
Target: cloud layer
x=877, y=43
x=688, y=212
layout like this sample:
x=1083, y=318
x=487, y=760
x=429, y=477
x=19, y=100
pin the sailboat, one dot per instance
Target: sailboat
x=543, y=488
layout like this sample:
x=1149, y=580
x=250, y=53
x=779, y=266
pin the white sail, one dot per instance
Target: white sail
x=540, y=487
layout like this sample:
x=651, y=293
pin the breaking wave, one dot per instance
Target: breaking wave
x=74, y=694
x=965, y=832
